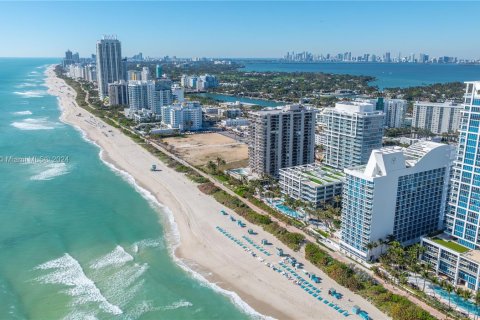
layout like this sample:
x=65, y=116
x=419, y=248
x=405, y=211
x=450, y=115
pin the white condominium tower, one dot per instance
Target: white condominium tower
x=109, y=63
x=400, y=192
x=437, y=117
x=394, y=110
x=281, y=137
x=150, y=95
x=350, y=132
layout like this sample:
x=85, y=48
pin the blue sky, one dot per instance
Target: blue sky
x=241, y=29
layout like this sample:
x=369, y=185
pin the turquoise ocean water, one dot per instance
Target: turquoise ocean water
x=77, y=240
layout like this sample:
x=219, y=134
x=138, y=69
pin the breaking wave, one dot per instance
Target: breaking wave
x=68, y=272
x=53, y=170
x=34, y=124
x=23, y=113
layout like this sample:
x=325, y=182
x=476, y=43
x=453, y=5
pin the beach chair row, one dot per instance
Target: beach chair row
x=256, y=246
x=313, y=291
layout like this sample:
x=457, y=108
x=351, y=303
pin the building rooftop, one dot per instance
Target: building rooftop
x=354, y=107
x=389, y=159
x=316, y=174
x=283, y=109
x=438, y=104
x=451, y=245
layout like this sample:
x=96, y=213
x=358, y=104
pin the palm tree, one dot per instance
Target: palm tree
x=467, y=295
x=337, y=200
x=390, y=238
x=220, y=162
x=425, y=275
x=449, y=288
x=211, y=166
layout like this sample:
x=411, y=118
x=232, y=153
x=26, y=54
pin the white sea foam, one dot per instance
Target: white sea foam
x=52, y=170
x=31, y=93
x=174, y=235
x=27, y=85
x=147, y=243
x=118, y=257
x=81, y=315
x=174, y=241
x=34, y=124
x=140, y=309
x=68, y=272
x=178, y=304
x=124, y=284
x=23, y=113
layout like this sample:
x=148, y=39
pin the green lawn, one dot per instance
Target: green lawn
x=451, y=245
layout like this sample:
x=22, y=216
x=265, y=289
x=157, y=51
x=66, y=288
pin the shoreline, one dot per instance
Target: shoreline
x=203, y=249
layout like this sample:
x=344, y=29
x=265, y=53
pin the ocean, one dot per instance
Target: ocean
x=387, y=75
x=78, y=240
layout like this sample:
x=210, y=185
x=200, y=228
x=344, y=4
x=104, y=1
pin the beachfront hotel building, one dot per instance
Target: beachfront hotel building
x=400, y=192
x=436, y=117
x=349, y=132
x=280, y=137
x=456, y=254
x=186, y=116
x=109, y=63
x=313, y=183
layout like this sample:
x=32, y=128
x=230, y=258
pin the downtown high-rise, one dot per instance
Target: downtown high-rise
x=109, y=63
x=456, y=253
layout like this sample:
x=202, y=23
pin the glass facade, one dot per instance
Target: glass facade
x=419, y=200
x=357, y=212
x=462, y=220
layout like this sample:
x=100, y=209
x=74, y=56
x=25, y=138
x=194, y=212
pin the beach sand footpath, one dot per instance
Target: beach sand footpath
x=203, y=248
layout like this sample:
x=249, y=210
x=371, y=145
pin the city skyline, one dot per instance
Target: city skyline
x=239, y=29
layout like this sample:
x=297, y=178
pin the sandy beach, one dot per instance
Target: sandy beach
x=203, y=247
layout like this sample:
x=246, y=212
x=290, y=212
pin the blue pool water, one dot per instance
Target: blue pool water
x=456, y=300
x=287, y=210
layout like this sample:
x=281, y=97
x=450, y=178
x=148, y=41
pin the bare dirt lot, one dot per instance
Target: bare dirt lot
x=198, y=149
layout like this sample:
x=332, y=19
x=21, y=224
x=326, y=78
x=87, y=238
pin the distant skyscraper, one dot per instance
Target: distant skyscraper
x=400, y=192
x=76, y=57
x=158, y=71
x=280, y=138
x=134, y=75
x=68, y=60
x=387, y=58
x=109, y=63
x=350, y=132
x=145, y=74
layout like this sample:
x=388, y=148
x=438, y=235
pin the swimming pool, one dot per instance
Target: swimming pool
x=278, y=204
x=456, y=300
